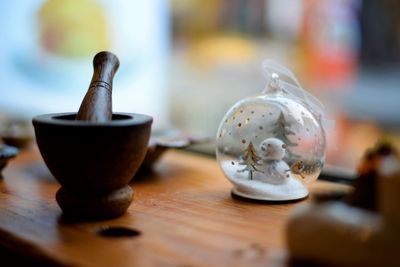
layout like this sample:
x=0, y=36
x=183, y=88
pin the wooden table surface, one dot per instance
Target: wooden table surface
x=183, y=210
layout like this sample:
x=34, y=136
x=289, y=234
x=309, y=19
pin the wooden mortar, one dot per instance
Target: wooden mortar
x=94, y=153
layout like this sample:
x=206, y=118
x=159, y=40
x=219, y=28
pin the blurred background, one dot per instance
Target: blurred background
x=186, y=62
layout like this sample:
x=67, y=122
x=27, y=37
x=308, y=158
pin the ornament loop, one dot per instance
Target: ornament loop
x=272, y=70
x=275, y=80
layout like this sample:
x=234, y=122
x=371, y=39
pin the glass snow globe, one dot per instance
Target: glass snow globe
x=272, y=145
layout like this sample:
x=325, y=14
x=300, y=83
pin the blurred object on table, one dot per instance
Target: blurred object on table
x=17, y=132
x=360, y=229
x=161, y=141
x=6, y=153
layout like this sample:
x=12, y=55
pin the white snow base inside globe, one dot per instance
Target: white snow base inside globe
x=285, y=189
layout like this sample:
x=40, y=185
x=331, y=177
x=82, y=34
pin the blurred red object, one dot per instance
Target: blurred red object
x=329, y=41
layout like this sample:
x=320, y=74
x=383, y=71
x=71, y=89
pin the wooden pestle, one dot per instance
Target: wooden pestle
x=97, y=103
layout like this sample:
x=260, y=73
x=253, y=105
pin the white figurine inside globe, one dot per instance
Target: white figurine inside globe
x=270, y=146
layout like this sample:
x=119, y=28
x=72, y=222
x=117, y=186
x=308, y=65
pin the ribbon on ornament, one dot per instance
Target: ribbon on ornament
x=273, y=72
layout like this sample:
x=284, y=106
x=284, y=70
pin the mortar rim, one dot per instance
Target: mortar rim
x=133, y=119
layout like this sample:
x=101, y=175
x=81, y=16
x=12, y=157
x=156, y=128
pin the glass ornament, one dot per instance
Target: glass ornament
x=272, y=145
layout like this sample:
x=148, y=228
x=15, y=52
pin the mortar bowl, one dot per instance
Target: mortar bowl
x=94, y=162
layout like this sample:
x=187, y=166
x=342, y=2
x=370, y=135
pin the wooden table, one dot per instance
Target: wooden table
x=183, y=210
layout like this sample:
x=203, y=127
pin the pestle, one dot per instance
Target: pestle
x=97, y=103
x=94, y=153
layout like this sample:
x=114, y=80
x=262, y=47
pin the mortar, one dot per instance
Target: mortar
x=94, y=153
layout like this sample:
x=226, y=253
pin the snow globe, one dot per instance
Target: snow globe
x=272, y=145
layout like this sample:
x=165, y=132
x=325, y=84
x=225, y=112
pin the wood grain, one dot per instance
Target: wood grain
x=183, y=210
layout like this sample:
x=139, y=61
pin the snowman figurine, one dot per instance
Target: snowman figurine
x=275, y=170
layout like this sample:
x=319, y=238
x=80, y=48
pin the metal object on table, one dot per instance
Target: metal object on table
x=6, y=153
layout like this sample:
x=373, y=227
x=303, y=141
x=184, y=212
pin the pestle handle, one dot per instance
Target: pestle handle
x=97, y=103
